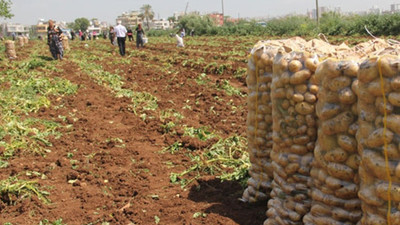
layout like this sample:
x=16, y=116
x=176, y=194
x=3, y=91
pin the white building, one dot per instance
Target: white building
x=161, y=24
x=15, y=28
x=394, y=8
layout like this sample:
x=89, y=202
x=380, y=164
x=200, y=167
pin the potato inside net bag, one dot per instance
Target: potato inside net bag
x=21, y=41
x=65, y=42
x=10, y=49
x=335, y=180
x=259, y=120
x=379, y=139
x=293, y=96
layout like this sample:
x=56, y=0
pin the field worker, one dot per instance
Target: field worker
x=183, y=33
x=139, y=36
x=111, y=35
x=179, y=41
x=120, y=32
x=130, y=34
x=54, y=41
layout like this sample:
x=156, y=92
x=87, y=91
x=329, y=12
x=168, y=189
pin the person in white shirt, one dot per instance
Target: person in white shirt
x=120, y=32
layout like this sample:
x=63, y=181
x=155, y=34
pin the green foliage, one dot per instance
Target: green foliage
x=202, y=25
x=159, y=33
x=290, y=26
x=334, y=24
x=5, y=10
x=147, y=14
x=81, y=24
x=330, y=24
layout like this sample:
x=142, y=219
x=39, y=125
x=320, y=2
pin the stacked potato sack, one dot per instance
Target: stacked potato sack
x=379, y=139
x=259, y=121
x=294, y=134
x=26, y=40
x=10, y=49
x=21, y=41
x=335, y=180
x=65, y=42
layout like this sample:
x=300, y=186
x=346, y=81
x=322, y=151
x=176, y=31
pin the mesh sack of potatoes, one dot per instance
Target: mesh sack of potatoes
x=65, y=42
x=293, y=97
x=335, y=180
x=26, y=40
x=379, y=139
x=259, y=120
x=21, y=41
x=10, y=49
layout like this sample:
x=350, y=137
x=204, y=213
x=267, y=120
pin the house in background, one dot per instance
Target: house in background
x=218, y=18
x=14, y=28
x=41, y=28
x=129, y=19
x=161, y=24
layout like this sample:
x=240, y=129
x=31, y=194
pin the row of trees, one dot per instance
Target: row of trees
x=330, y=24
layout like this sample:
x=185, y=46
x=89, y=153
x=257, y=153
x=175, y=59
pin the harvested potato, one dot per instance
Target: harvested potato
x=259, y=121
x=375, y=141
x=295, y=137
x=335, y=155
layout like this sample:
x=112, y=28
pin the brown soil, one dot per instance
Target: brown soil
x=130, y=184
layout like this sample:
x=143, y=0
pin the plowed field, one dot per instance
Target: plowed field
x=106, y=139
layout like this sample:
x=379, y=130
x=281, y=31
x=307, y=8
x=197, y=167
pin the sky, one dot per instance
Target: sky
x=28, y=12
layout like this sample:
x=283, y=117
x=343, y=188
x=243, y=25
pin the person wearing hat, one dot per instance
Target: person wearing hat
x=120, y=33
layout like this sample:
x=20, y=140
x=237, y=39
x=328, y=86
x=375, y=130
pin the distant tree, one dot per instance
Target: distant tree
x=71, y=25
x=147, y=13
x=81, y=24
x=5, y=10
x=171, y=19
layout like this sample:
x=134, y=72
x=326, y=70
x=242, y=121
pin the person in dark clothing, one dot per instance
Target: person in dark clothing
x=72, y=35
x=139, y=36
x=54, y=41
x=130, y=34
x=111, y=35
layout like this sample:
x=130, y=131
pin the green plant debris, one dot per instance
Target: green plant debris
x=47, y=222
x=175, y=147
x=227, y=159
x=157, y=219
x=229, y=89
x=13, y=189
x=140, y=100
x=201, y=133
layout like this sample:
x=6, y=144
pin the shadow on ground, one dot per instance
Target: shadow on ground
x=43, y=57
x=225, y=196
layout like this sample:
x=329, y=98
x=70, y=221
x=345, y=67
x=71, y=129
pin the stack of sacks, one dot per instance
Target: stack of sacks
x=10, y=49
x=259, y=120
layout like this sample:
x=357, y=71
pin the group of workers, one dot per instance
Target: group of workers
x=119, y=33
